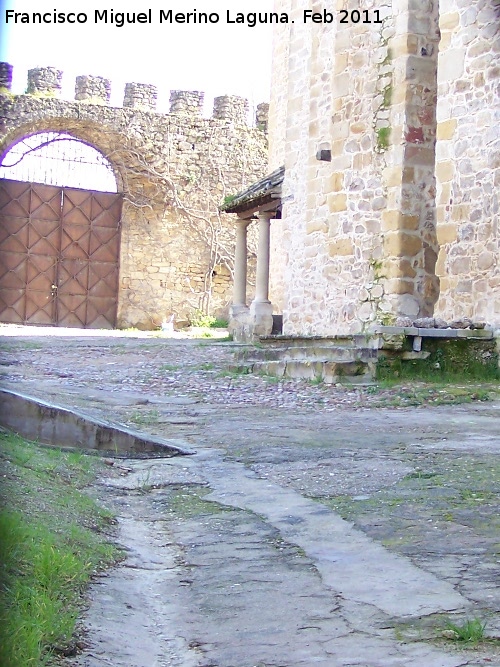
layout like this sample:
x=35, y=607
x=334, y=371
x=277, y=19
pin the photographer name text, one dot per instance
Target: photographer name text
x=169, y=16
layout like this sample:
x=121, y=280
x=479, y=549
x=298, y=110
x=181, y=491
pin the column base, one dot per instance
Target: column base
x=246, y=324
x=261, y=317
x=237, y=309
x=239, y=323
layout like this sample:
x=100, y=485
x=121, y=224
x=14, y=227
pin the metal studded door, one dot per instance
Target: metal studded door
x=59, y=255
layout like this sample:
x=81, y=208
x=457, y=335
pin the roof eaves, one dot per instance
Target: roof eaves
x=261, y=192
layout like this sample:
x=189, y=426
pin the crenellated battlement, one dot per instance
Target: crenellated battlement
x=231, y=107
x=93, y=89
x=6, y=75
x=186, y=102
x=47, y=81
x=141, y=96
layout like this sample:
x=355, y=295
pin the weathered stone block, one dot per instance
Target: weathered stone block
x=449, y=21
x=337, y=202
x=341, y=247
x=461, y=212
x=446, y=129
x=399, y=286
x=401, y=244
x=316, y=225
x=445, y=171
x=392, y=341
x=460, y=265
x=336, y=181
x=446, y=233
x=390, y=220
x=485, y=260
x=392, y=176
x=419, y=155
x=398, y=268
x=451, y=65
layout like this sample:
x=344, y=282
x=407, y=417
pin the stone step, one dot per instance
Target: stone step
x=330, y=359
x=329, y=372
x=298, y=353
x=347, y=340
x=321, y=353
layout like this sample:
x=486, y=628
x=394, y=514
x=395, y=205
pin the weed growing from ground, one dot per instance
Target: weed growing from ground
x=169, y=367
x=146, y=417
x=470, y=631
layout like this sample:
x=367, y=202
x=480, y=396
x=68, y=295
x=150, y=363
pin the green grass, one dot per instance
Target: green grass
x=399, y=393
x=443, y=498
x=471, y=631
x=146, y=417
x=20, y=345
x=169, y=367
x=52, y=540
x=449, y=361
x=209, y=366
x=188, y=503
x=383, y=138
x=200, y=319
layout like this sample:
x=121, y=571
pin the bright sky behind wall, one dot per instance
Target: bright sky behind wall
x=218, y=59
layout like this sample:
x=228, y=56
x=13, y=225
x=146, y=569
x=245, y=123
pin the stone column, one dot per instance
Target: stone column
x=240, y=265
x=261, y=310
x=409, y=218
x=262, y=278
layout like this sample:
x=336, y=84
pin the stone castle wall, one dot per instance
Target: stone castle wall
x=363, y=238
x=333, y=190
x=174, y=171
x=468, y=161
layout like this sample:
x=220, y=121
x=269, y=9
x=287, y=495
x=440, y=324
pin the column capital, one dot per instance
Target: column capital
x=266, y=215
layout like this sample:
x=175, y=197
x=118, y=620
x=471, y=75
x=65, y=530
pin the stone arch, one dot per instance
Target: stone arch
x=173, y=171
x=60, y=245
x=88, y=133
x=58, y=158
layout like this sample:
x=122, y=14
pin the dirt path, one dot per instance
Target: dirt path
x=309, y=528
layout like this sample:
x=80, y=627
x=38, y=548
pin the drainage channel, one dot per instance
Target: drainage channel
x=51, y=424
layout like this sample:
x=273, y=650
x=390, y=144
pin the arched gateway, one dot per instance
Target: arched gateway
x=59, y=242
x=173, y=169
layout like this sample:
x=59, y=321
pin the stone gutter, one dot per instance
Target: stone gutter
x=50, y=424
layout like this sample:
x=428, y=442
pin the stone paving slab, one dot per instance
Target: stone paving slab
x=258, y=550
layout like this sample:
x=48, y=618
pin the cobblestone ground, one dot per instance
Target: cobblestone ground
x=202, y=369
x=316, y=524
x=197, y=369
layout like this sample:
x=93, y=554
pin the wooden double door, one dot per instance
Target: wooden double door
x=59, y=255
